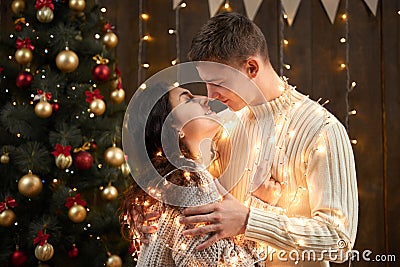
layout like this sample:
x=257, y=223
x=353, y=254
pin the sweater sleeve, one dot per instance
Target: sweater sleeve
x=332, y=189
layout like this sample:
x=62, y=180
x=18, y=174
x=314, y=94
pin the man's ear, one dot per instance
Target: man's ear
x=252, y=67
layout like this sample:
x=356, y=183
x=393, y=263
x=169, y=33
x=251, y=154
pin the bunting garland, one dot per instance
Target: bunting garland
x=290, y=6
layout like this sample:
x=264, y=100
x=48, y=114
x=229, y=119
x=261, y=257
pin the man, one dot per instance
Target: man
x=312, y=158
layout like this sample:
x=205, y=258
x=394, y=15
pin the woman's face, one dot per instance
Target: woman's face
x=193, y=115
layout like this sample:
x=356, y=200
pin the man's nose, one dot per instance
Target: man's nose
x=212, y=91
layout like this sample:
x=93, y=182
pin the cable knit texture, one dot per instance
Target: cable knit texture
x=306, y=149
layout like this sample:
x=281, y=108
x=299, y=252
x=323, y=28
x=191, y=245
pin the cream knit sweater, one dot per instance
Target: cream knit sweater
x=306, y=149
x=168, y=247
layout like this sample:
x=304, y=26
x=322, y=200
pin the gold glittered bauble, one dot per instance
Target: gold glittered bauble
x=77, y=5
x=67, y=61
x=114, y=261
x=4, y=159
x=45, y=252
x=109, y=193
x=125, y=169
x=98, y=107
x=7, y=218
x=45, y=14
x=110, y=40
x=43, y=109
x=77, y=213
x=18, y=6
x=30, y=185
x=117, y=96
x=114, y=156
x=63, y=162
x=23, y=56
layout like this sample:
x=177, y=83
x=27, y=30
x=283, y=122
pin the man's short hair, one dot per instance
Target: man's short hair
x=229, y=38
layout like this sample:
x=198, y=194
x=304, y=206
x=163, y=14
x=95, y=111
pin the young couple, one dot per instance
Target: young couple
x=291, y=189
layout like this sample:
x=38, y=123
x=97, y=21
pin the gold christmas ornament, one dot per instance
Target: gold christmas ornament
x=67, y=61
x=23, y=56
x=30, y=185
x=18, y=6
x=114, y=261
x=125, y=169
x=77, y=5
x=110, y=40
x=109, y=193
x=5, y=159
x=114, y=156
x=7, y=218
x=43, y=109
x=97, y=106
x=45, y=14
x=77, y=213
x=45, y=252
x=63, y=162
x=117, y=96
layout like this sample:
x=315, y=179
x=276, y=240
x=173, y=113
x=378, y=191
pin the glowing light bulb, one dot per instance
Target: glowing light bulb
x=285, y=42
x=103, y=9
x=287, y=66
x=342, y=40
x=354, y=141
x=344, y=16
x=173, y=62
x=342, y=66
x=183, y=246
x=285, y=16
x=145, y=16
x=143, y=86
x=146, y=37
x=176, y=84
x=183, y=5
x=146, y=65
x=353, y=112
x=171, y=31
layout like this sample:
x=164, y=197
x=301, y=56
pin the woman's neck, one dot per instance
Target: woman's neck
x=200, y=150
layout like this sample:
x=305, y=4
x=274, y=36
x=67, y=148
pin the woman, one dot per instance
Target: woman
x=188, y=119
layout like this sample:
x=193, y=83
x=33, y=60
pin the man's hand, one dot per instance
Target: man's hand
x=223, y=219
x=141, y=225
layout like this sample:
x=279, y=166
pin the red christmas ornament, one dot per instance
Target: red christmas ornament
x=101, y=72
x=18, y=258
x=18, y=27
x=93, y=145
x=24, y=79
x=83, y=160
x=55, y=107
x=73, y=253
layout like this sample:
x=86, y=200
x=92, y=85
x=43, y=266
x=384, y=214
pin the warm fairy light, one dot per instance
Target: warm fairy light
x=145, y=16
x=353, y=84
x=187, y=175
x=97, y=36
x=152, y=191
x=171, y=31
x=103, y=9
x=14, y=103
x=10, y=57
x=146, y=203
x=143, y=86
x=342, y=66
x=159, y=153
x=354, y=141
x=146, y=37
x=55, y=180
x=18, y=135
x=173, y=62
x=287, y=66
x=183, y=246
x=99, y=165
x=292, y=133
x=146, y=65
x=226, y=6
x=183, y=5
x=353, y=112
x=31, y=102
x=344, y=16
x=285, y=16
x=101, y=188
x=285, y=42
x=224, y=134
x=342, y=40
x=176, y=84
x=75, y=189
x=301, y=242
x=321, y=149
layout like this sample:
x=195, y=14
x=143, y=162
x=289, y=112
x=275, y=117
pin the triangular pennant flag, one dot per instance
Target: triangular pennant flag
x=290, y=7
x=213, y=6
x=175, y=3
x=252, y=7
x=373, y=5
x=331, y=7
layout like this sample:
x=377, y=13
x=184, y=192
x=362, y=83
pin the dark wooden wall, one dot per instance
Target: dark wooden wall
x=314, y=53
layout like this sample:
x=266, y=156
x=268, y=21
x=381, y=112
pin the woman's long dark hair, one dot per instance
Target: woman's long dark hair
x=132, y=204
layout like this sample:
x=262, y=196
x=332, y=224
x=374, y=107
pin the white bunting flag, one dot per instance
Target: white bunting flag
x=290, y=7
x=213, y=6
x=252, y=7
x=373, y=5
x=331, y=7
x=175, y=3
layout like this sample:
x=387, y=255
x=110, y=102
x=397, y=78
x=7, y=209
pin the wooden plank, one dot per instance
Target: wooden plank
x=390, y=82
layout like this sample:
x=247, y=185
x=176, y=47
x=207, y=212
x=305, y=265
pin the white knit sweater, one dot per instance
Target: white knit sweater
x=168, y=247
x=306, y=149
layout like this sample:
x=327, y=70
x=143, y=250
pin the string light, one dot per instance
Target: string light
x=146, y=65
x=144, y=16
x=342, y=40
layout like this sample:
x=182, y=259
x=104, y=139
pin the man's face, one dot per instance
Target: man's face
x=226, y=84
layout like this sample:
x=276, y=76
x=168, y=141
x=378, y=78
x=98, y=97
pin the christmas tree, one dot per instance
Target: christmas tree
x=61, y=111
